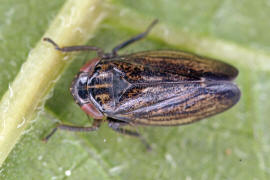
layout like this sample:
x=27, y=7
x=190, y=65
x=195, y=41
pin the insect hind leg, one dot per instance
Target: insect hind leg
x=117, y=126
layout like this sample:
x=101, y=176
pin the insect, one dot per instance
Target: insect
x=156, y=88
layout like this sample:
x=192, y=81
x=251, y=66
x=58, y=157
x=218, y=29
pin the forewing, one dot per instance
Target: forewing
x=184, y=64
x=176, y=103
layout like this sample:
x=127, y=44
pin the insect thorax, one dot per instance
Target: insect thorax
x=106, y=87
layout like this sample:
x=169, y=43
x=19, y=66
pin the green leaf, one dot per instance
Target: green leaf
x=232, y=145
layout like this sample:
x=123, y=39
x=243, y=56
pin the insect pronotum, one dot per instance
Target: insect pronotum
x=162, y=88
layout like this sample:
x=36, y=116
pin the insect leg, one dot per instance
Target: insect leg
x=135, y=38
x=96, y=124
x=75, y=48
x=117, y=126
x=125, y=131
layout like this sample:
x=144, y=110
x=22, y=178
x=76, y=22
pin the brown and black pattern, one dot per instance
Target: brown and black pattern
x=162, y=87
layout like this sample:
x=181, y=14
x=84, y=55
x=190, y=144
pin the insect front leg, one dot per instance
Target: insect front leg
x=75, y=48
x=117, y=126
x=96, y=124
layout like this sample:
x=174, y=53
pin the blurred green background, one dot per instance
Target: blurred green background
x=232, y=145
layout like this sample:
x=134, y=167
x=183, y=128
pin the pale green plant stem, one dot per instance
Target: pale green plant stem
x=74, y=24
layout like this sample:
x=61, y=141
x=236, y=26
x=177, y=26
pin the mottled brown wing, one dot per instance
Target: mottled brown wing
x=167, y=87
x=176, y=103
x=183, y=63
